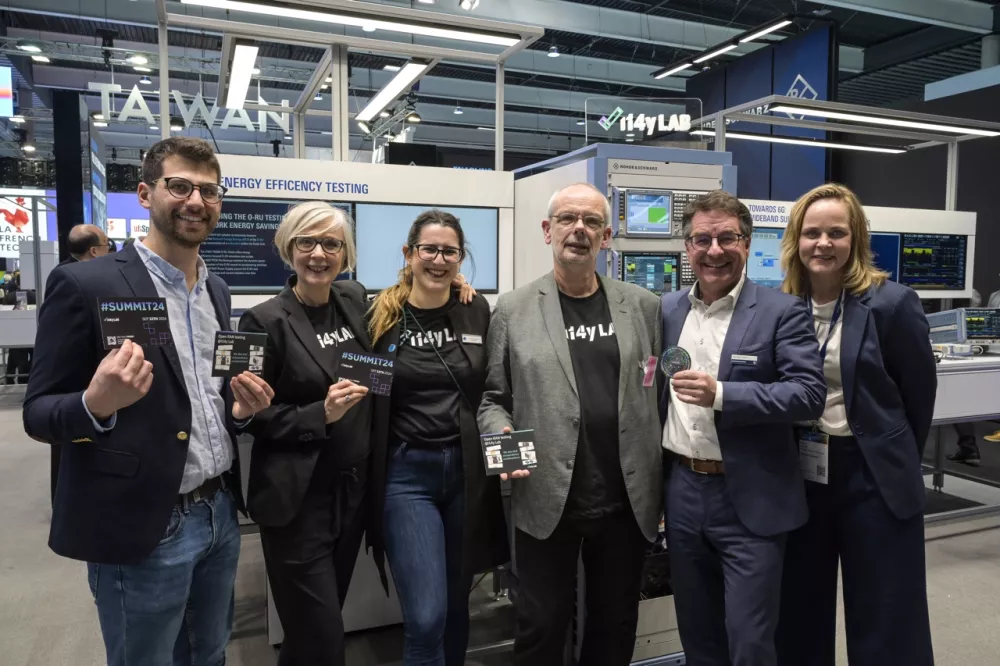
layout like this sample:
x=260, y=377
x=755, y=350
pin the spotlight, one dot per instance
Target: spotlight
x=142, y=70
x=554, y=51
x=137, y=59
x=255, y=71
x=384, y=114
x=28, y=148
x=581, y=121
x=28, y=47
x=368, y=27
x=329, y=79
x=318, y=97
x=414, y=117
x=17, y=120
x=145, y=80
x=40, y=58
x=176, y=125
x=288, y=137
x=468, y=5
x=458, y=110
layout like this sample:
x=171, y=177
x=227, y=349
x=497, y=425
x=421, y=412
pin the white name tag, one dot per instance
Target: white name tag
x=472, y=339
x=814, y=456
x=742, y=359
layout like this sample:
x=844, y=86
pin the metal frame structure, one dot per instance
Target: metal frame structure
x=334, y=61
x=923, y=139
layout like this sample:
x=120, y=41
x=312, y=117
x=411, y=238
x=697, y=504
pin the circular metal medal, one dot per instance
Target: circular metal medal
x=674, y=360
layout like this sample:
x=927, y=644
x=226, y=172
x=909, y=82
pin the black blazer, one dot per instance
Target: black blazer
x=890, y=384
x=116, y=490
x=485, y=533
x=290, y=434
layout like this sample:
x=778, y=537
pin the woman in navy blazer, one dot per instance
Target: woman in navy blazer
x=866, y=506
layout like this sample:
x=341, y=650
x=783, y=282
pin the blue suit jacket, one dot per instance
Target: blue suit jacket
x=117, y=489
x=890, y=383
x=761, y=402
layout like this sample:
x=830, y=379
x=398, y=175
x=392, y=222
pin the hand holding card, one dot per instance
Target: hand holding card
x=142, y=320
x=251, y=394
x=122, y=379
x=341, y=397
x=510, y=453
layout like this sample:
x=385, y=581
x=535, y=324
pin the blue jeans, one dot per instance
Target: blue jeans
x=176, y=607
x=424, y=512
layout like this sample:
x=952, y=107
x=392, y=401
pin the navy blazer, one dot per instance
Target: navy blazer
x=761, y=402
x=117, y=489
x=890, y=383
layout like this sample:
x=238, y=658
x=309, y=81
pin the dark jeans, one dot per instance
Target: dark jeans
x=613, y=551
x=424, y=512
x=726, y=580
x=311, y=560
x=881, y=559
x=176, y=607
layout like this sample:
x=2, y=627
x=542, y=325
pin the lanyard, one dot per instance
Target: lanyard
x=833, y=322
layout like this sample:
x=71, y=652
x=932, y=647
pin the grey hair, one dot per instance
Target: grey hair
x=305, y=215
x=607, y=204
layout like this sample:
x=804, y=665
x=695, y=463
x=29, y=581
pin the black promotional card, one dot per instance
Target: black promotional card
x=372, y=370
x=141, y=320
x=236, y=353
x=509, y=452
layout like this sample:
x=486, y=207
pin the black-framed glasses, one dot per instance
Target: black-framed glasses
x=727, y=240
x=309, y=243
x=182, y=189
x=593, y=222
x=451, y=255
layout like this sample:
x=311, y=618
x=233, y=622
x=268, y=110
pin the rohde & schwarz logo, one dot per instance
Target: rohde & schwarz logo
x=802, y=90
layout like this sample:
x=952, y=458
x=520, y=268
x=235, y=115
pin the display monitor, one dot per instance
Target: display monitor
x=764, y=262
x=648, y=213
x=241, y=248
x=660, y=273
x=933, y=261
x=982, y=324
x=381, y=231
x=885, y=253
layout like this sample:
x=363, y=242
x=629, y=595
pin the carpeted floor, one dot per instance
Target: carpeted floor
x=47, y=617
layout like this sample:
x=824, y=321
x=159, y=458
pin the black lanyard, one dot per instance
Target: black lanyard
x=833, y=323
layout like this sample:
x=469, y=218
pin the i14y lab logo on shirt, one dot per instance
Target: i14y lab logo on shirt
x=590, y=333
x=335, y=337
x=429, y=338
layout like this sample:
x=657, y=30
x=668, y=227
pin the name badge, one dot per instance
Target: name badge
x=742, y=359
x=472, y=339
x=814, y=456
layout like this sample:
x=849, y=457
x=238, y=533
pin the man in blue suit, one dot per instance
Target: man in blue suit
x=149, y=482
x=733, y=485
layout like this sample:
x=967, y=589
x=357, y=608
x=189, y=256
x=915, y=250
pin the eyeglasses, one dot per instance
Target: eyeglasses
x=452, y=255
x=593, y=222
x=308, y=244
x=182, y=188
x=727, y=240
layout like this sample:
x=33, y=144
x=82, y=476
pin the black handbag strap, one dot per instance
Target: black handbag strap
x=440, y=358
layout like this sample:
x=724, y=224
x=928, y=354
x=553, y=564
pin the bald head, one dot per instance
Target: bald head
x=86, y=242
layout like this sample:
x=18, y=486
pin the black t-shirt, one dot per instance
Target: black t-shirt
x=425, y=400
x=598, y=487
x=335, y=337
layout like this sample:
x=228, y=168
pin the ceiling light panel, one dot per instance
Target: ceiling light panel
x=878, y=120
x=403, y=80
x=244, y=57
x=424, y=29
x=803, y=142
x=715, y=53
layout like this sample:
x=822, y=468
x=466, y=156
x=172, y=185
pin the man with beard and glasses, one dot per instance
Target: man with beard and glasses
x=567, y=355
x=149, y=481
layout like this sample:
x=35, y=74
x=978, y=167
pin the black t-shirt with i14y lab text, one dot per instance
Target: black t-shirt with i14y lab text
x=598, y=487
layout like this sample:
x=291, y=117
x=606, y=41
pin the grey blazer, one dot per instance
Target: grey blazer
x=531, y=385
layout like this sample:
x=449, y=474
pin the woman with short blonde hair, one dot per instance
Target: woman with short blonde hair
x=862, y=458
x=309, y=470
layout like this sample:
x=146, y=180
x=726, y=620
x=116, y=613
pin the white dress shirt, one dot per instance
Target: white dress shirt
x=690, y=429
x=834, y=419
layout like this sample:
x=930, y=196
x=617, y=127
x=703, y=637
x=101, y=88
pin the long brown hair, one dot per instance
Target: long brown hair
x=387, y=308
x=860, y=273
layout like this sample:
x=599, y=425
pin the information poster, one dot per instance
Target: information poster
x=241, y=249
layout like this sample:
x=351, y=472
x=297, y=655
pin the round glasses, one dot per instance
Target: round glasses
x=182, y=188
x=452, y=255
x=308, y=244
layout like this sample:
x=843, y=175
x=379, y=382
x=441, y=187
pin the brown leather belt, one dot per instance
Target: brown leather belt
x=206, y=490
x=703, y=466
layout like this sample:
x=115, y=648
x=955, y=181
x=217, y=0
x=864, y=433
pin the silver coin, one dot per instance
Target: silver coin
x=674, y=360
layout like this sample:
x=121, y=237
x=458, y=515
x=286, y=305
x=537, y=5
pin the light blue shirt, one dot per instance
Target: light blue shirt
x=193, y=325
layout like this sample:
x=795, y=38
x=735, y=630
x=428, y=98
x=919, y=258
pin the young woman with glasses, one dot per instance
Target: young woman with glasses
x=442, y=520
x=309, y=467
x=866, y=493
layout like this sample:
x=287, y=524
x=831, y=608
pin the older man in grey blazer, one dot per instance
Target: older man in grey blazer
x=567, y=355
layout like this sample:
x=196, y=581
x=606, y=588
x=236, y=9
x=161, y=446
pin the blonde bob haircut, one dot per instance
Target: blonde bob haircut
x=860, y=274
x=325, y=218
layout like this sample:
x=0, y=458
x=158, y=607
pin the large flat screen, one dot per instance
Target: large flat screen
x=764, y=263
x=982, y=324
x=885, y=253
x=660, y=273
x=933, y=261
x=648, y=213
x=381, y=234
x=241, y=248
